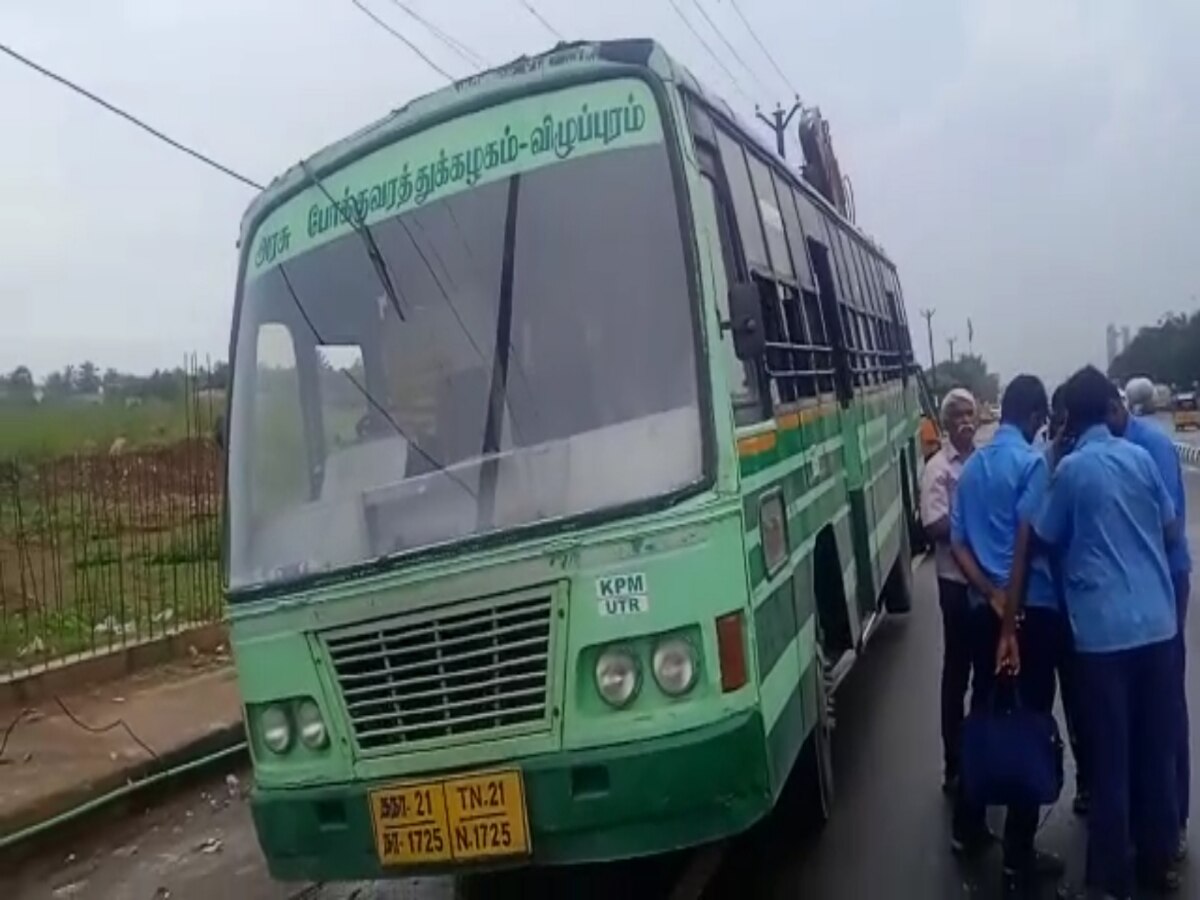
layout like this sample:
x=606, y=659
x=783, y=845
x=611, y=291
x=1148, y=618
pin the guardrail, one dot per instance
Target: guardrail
x=1189, y=454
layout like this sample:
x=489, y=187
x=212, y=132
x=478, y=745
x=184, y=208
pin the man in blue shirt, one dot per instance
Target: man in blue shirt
x=1001, y=489
x=1142, y=430
x=1056, y=445
x=1107, y=512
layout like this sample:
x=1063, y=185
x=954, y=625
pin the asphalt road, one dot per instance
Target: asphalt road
x=887, y=840
x=890, y=831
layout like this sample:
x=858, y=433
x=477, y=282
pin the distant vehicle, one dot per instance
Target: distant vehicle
x=1184, y=413
x=988, y=413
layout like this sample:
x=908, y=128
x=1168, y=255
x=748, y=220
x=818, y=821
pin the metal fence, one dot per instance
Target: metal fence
x=104, y=549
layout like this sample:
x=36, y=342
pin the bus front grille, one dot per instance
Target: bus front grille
x=461, y=673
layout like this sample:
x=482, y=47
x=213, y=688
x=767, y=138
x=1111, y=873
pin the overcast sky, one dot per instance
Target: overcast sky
x=1030, y=164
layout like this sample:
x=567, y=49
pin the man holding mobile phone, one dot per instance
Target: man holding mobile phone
x=1108, y=514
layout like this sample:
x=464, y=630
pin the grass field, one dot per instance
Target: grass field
x=99, y=549
x=61, y=428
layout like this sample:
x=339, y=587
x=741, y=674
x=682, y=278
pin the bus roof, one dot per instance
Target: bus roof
x=514, y=78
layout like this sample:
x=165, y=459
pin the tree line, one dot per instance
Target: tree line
x=87, y=380
x=970, y=371
x=1167, y=352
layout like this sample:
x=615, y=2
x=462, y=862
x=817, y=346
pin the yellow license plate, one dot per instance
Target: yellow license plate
x=459, y=819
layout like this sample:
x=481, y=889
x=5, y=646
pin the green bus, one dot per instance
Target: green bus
x=571, y=462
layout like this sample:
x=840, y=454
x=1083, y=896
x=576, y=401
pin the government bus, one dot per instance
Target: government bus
x=571, y=457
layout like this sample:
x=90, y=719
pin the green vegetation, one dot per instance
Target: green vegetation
x=1166, y=353
x=56, y=429
x=109, y=509
x=79, y=409
x=95, y=555
x=969, y=371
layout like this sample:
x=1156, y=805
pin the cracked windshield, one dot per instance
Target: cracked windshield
x=544, y=450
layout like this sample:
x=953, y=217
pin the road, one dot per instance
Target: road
x=1191, y=436
x=889, y=833
x=888, y=837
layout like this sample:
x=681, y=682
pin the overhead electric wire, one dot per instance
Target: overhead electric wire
x=729, y=46
x=457, y=47
x=532, y=10
x=712, y=53
x=763, y=47
x=130, y=118
x=398, y=36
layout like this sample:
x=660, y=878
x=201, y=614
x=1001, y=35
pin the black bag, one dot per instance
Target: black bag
x=1011, y=757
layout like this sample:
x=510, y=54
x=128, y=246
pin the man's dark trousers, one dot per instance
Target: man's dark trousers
x=956, y=667
x=1040, y=639
x=1183, y=762
x=1130, y=717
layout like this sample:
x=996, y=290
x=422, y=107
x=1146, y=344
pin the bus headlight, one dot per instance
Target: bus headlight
x=311, y=725
x=674, y=666
x=618, y=677
x=275, y=729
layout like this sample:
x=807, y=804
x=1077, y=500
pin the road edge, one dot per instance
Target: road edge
x=28, y=828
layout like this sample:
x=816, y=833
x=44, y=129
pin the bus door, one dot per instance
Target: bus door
x=850, y=418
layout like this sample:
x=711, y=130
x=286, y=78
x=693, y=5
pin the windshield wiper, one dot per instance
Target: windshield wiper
x=358, y=222
x=379, y=408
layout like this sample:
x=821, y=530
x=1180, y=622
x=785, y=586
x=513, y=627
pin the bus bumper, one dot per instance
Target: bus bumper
x=587, y=806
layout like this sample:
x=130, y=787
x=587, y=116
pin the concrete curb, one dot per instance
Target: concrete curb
x=61, y=676
x=115, y=788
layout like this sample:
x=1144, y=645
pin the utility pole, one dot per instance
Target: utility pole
x=928, y=314
x=970, y=336
x=779, y=122
x=950, y=341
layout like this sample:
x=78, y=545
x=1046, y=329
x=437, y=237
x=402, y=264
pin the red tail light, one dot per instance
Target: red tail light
x=731, y=647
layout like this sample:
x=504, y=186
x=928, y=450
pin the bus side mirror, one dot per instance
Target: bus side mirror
x=219, y=431
x=745, y=321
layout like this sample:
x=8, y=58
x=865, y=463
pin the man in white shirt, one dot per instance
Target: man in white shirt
x=938, y=484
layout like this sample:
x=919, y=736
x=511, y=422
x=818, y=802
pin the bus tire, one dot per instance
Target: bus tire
x=898, y=588
x=816, y=782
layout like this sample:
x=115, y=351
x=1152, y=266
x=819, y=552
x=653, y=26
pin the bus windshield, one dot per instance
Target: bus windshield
x=535, y=360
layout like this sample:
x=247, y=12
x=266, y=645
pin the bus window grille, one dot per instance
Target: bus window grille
x=441, y=665
x=470, y=669
x=395, y=690
x=496, y=703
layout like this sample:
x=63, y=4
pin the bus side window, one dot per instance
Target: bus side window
x=743, y=387
x=845, y=304
x=820, y=359
x=744, y=203
x=835, y=331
